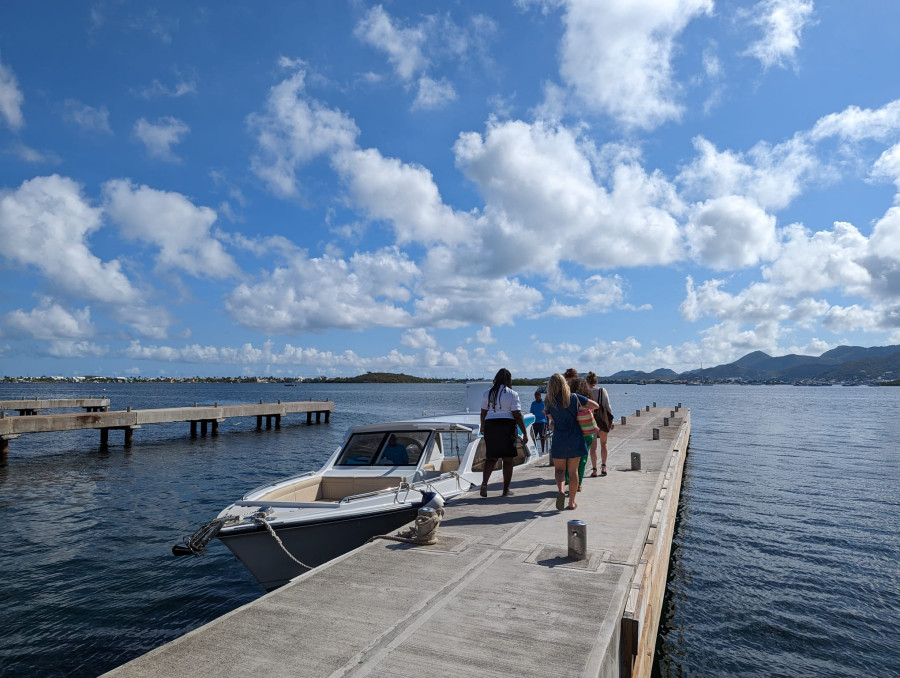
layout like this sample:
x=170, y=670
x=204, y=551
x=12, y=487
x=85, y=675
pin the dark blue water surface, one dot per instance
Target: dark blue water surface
x=785, y=562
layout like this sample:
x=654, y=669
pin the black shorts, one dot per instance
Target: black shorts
x=499, y=438
x=539, y=428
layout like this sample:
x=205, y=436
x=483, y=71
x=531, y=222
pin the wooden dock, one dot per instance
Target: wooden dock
x=128, y=420
x=498, y=595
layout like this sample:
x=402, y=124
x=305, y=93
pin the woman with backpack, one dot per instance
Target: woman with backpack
x=604, y=416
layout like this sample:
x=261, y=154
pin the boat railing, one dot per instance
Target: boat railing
x=417, y=486
x=374, y=493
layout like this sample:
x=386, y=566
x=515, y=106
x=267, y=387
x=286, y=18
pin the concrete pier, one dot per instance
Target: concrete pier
x=30, y=407
x=498, y=595
x=129, y=420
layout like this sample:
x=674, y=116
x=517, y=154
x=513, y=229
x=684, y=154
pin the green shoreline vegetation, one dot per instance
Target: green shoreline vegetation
x=399, y=378
x=367, y=378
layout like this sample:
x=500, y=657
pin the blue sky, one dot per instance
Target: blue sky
x=443, y=189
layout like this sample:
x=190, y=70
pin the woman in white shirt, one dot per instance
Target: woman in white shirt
x=501, y=411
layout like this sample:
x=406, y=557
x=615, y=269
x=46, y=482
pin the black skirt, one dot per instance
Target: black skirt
x=499, y=438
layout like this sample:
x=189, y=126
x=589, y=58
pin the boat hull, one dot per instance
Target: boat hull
x=312, y=543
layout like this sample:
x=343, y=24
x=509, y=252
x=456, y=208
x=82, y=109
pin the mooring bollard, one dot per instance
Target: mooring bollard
x=623, y=420
x=635, y=461
x=654, y=403
x=656, y=434
x=577, y=530
x=637, y=413
x=646, y=408
x=665, y=421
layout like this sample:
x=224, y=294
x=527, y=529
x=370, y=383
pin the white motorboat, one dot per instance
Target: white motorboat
x=374, y=483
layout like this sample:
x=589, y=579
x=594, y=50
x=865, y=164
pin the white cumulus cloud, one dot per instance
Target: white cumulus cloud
x=159, y=137
x=11, y=99
x=617, y=56
x=171, y=222
x=730, y=232
x=51, y=321
x=293, y=130
x=782, y=23
x=403, y=194
x=318, y=294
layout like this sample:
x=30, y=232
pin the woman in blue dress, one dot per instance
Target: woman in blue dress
x=568, y=442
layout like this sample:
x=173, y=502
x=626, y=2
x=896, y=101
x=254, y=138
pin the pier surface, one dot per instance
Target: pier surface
x=496, y=596
x=35, y=405
x=129, y=420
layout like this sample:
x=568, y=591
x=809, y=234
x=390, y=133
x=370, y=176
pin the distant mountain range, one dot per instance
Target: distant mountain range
x=844, y=364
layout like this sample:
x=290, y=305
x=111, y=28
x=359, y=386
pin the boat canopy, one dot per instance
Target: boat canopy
x=440, y=426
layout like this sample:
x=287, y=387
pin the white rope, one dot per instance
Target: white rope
x=261, y=520
x=422, y=532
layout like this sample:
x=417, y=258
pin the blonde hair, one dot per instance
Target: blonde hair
x=558, y=393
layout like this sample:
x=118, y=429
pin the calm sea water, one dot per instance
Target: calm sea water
x=785, y=562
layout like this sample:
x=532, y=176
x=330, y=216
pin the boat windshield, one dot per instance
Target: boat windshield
x=384, y=448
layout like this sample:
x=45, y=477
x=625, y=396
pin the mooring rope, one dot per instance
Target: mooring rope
x=196, y=543
x=260, y=519
x=422, y=532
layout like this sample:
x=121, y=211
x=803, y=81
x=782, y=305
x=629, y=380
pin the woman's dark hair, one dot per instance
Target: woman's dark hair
x=503, y=379
x=580, y=386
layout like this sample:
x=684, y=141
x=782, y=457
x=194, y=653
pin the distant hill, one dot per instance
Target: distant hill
x=662, y=374
x=384, y=378
x=841, y=364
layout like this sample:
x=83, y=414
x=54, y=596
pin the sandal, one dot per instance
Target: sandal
x=593, y=472
x=560, y=501
x=572, y=507
x=483, y=490
x=602, y=469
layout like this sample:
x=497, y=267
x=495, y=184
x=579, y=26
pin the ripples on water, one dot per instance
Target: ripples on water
x=785, y=562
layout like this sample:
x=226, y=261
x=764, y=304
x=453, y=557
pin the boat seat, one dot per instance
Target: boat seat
x=336, y=488
x=308, y=489
x=449, y=465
